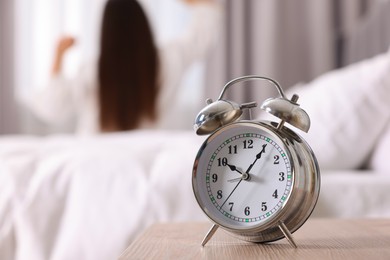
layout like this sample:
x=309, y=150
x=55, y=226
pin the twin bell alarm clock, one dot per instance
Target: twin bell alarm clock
x=257, y=180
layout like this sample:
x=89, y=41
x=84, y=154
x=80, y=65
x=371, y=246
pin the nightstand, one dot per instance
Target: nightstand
x=317, y=239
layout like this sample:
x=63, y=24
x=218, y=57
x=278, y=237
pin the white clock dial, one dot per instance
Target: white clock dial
x=245, y=178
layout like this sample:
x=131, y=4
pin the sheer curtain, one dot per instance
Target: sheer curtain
x=38, y=26
x=40, y=23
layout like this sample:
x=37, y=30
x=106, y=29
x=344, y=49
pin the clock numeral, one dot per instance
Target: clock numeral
x=231, y=204
x=219, y=194
x=232, y=149
x=281, y=178
x=275, y=194
x=264, y=206
x=222, y=161
x=214, y=177
x=248, y=144
x=247, y=211
x=276, y=158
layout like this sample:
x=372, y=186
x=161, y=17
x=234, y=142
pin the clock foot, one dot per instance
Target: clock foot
x=209, y=234
x=287, y=234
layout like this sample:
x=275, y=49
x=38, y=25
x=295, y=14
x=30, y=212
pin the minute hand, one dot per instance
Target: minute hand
x=258, y=156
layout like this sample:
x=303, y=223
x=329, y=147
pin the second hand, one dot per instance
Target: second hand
x=231, y=193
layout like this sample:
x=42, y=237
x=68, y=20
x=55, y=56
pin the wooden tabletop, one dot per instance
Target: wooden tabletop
x=317, y=239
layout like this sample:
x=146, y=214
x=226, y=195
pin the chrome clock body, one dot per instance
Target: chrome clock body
x=301, y=192
x=258, y=180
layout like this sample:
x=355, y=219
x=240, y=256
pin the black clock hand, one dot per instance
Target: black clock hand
x=234, y=168
x=231, y=193
x=258, y=156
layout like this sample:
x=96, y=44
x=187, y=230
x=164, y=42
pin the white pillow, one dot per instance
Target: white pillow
x=349, y=109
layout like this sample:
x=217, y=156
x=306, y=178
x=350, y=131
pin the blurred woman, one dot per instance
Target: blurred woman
x=133, y=82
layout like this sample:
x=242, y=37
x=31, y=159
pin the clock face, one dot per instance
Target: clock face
x=243, y=177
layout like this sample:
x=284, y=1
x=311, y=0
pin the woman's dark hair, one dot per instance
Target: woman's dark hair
x=128, y=67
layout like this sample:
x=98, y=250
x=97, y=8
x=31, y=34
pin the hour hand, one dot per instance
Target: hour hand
x=233, y=168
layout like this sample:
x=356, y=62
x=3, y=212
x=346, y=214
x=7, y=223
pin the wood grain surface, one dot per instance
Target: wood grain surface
x=317, y=239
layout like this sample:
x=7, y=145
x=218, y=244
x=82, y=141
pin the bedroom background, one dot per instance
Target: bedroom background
x=95, y=194
x=291, y=41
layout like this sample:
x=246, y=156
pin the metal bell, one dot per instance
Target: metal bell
x=288, y=111
x=215, y=115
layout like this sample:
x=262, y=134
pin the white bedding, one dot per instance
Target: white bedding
x=87, y=198
x=66, y=197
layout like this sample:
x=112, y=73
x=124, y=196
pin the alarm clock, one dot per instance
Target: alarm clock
x=257, y=180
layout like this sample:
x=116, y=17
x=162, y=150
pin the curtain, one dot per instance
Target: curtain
x=371, y=35
x=291, y=41
x=8, y=109
x=38, y=25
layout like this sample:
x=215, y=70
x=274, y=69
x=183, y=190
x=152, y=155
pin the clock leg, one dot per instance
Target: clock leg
x=209, y=234
x=287, y=234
